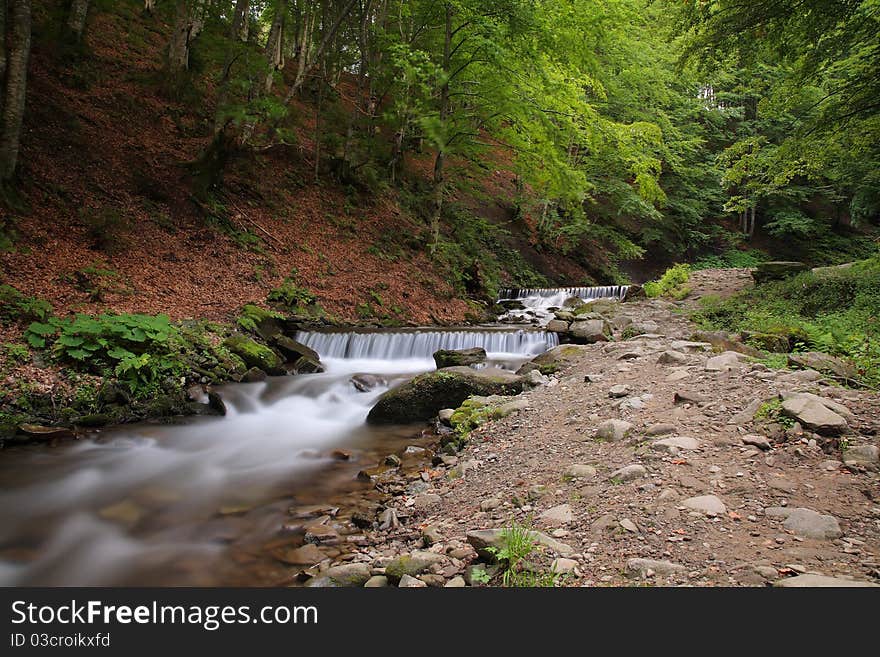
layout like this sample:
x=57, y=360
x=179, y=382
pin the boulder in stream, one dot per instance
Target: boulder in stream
x=424, y=396
x=452, y=358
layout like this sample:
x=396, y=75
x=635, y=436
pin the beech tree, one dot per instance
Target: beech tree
x=16, y=49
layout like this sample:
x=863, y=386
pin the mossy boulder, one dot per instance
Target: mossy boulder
x=452, y=358
x=824, y=363
x=427, y=394
x=777, y=270
x=293, y=350
x=772, y=342
x=254, y=354
x=550, y=361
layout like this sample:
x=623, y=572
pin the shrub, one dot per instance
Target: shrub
x=671, y=284
x=139, y=349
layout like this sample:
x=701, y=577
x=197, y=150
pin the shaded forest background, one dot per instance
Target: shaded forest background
x=401, y=160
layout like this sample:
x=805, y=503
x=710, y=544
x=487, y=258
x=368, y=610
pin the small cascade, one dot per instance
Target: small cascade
x=562, y=293
x=421, y=344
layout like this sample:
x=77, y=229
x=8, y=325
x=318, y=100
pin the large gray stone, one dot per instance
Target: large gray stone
x=558, y=515
x=670, y=357
x=553, y=359
x=725, y=361
x=557, y=326
x=580, y=470
x=769, y=271
x=459, y=357
x=814, y=414
x=822, y=362
x=613, y=430
x=643, y=568
x=675, y=444
x=629, y=473
x=591, y=330
x=810, y=580
x=707, y=504
x=862, y=455
x=414, y=563
x=350, y=574
x=812, y=524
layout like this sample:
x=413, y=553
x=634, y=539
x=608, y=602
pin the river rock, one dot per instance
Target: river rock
x=613, y=430
x=581, y=471
x=563, y=566
x=810, y=580
x=675, y=444
x=591, y=330
x=376, y=581
x=456, y=582
x=812, y=524
x=724, y=341
x=424, y=396
x=629, y=473
x=690, y=346
x=619, y=390
x=557, y=326
x=821, y=362
x=707, y=504
x=862, y=455
x=659, y=429
x=254, y=354
x=293, y=350
x=482, y=539
x=670, y=357
x=725, y=361
x=254, y=375
x=761, y=442
x=367, y=382
x=553, y=359
x=814, y=413
x=307, y=555
x=451, y=358
x=414, y=563
x=350, y=574
x=409, y=582
x=643, y=568
x=775, y=270
x=558, y=515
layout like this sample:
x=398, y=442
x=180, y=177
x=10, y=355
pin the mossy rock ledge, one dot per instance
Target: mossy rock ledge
x=254, y=354
x=424, y=396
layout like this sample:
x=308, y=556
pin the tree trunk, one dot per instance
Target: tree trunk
x=274, y=49
x=2, y=46
x=189, y=19
x=18, y=45
x=439, y=186
x=240, y=20
x=361, y=100
x=752, y=222
x=149, y=6
x=76, y=19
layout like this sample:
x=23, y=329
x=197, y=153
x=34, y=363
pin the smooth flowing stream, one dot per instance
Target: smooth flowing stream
x=201, y=502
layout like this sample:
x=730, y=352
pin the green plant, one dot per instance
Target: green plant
x=289, y=295
x=671, y=283
x=17, y=307
x=139, y=349
x=16, y=353
x=518, y=544
x=771, y=412
x=107, y=228
x=479, y=575
x=252, y=315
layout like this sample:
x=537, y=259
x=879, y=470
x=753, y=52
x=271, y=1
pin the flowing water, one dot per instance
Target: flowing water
x=536, y=305
x=206, y=502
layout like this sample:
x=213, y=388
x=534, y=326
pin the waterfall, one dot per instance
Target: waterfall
x=560, y=294
x=397, y=345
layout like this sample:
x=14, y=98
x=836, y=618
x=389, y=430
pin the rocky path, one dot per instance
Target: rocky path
x=643, y=460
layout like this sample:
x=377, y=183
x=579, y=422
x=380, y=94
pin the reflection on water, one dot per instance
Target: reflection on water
x=194, y=503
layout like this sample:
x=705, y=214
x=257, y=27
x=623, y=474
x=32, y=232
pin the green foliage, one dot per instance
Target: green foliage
x=17, y=307
x=16, y=353
x=671, y=283
x=837, y=312
x=518, y=545
x=771, y=412
x=291, y=296
x=136, y=348
x=252, y=315
x=731, y=258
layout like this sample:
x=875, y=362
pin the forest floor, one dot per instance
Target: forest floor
x=519, y=469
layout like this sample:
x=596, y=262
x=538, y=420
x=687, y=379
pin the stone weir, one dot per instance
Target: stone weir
x=400, y=344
